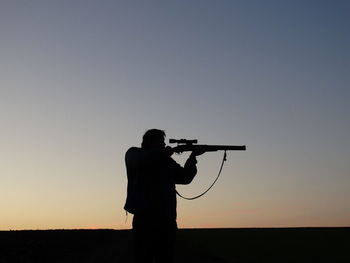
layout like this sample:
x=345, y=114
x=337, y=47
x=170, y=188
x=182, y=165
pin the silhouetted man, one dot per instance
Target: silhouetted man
x=151, y=196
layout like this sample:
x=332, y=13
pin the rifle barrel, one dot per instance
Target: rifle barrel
x=208, y=148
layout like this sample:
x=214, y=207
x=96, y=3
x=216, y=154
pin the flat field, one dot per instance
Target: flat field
x=193, y=245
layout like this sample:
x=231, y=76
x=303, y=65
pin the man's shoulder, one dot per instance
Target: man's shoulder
x=133, y=150
x=148, y=155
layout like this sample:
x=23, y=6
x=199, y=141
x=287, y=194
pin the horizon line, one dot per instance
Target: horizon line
x=185, y=228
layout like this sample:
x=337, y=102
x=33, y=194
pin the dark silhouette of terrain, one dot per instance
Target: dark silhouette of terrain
x=193, y=245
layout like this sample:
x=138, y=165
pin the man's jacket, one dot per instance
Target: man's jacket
x=152, y=175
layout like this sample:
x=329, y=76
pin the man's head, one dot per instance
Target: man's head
x=153, y=138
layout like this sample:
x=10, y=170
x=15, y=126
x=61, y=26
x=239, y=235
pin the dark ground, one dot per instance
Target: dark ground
x=194, y=245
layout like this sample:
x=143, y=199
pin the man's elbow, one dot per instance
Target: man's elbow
x=187, y=179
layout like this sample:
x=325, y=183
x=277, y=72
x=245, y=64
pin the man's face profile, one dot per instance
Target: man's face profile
x=159, y=143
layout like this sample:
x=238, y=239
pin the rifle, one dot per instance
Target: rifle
x=184, y=145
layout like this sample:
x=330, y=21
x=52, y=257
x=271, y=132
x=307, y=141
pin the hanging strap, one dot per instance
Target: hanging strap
x=217, y=177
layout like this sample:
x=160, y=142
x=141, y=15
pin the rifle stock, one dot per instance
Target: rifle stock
x=208, y=148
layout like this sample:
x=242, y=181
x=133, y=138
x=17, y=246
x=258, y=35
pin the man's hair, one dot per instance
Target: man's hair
x=151, y=136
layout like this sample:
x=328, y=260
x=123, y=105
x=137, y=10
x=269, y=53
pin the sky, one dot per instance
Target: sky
x=81, y=81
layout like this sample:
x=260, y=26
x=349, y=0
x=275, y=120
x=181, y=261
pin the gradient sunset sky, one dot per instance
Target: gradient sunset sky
x=81, y=81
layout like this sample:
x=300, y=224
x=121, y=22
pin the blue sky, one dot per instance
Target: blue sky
x=81, y=81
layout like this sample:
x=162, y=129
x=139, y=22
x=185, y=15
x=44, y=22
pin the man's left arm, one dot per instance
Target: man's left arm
x=185, y=175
